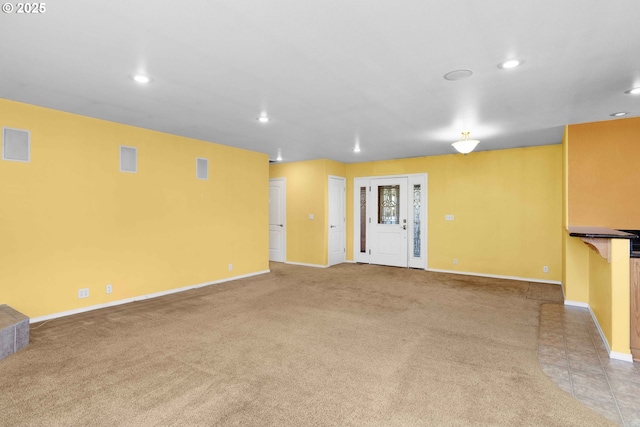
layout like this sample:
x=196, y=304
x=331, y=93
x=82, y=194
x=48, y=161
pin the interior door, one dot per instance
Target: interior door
x=388, y=221
x=337, y=220
x=277, y=220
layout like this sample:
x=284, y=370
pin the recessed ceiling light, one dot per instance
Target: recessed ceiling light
x=356, y=149
x=619, y=114
x=141, y=78
x=458, y=74
x=634, y=91
x=279, y=158
x=263, y=118
x=512, y=63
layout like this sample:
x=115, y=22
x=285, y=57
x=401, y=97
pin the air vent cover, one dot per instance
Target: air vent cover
x=15, y=145
x=128, y=159
x=202, y=168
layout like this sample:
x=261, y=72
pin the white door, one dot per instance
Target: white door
x=337, y=220
x=388, y=227
x=277, y=220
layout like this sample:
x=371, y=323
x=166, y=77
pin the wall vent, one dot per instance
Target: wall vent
x=16, y=145
x=202, y=168
x=128, y=159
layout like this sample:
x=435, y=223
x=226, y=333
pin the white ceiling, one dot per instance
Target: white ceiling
x=330, y=72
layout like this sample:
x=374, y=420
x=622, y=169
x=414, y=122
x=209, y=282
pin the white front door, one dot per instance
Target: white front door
x=277, y=220
x=373, y=242
x=337, y=220
x=388, y=227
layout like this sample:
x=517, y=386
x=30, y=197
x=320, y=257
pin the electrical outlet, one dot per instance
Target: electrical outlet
x=448, y=217
x=230, y=267
x=109, y=288
x=455, y=261
x=83, y=293
x=545, y=269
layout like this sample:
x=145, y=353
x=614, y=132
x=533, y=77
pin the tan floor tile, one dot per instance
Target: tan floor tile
x=591, y=385
x=630, y=415
x=605, y=407
x=552, y=355
x=584, y=357
x=625, y=391
x=583, y=367
x=555, y=371
x=553, y=340
x=586, y=368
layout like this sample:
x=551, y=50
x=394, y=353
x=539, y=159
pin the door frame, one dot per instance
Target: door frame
x=283, y=210
x=421, y=179
x=343, y=197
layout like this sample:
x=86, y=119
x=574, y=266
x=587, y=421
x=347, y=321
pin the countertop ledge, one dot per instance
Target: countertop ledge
x=599, y=232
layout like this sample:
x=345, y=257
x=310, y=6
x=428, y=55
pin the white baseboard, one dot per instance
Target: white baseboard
x=576, y=304
x=139, y=298
x=496, y=276
x=602, y=336
x=306, y=265
x=621, y=356
x=612, y=354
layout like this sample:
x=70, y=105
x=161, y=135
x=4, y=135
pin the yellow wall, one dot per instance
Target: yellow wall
x=604, y=174
x=600, y=291
x=307, y=193
x=69, y=219
x=620, y=297
x=507, y=207
x=609, y=293
x=575, y=254
x=599, y=174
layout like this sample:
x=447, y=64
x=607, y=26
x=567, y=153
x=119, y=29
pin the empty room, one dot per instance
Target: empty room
x=319, y=213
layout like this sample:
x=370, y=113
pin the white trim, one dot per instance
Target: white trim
x=304, y=264
x=576, y=304
x=612, y=354
x=621, y=356
x=602, y=337
x=140, y=298
x=496, y=276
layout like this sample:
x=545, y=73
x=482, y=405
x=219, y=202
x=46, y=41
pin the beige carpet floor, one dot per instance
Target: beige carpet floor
x=351, y=345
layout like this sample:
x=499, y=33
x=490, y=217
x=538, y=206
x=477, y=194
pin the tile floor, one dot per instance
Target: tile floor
x=572, y=354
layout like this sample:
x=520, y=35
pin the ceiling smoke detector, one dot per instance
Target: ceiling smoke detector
x=458, y=75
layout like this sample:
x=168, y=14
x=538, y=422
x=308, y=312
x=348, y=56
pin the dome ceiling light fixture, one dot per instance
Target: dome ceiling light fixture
x=619, y=114
x=511, y=63
x=141, y=78
x=465, y=145
x=634, y=91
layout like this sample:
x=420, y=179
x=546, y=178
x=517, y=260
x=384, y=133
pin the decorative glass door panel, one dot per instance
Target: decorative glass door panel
x=363, y=220
x=389, y=204
x=416, y=221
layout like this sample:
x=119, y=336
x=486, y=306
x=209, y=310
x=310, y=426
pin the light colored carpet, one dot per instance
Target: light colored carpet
x=351, y=345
